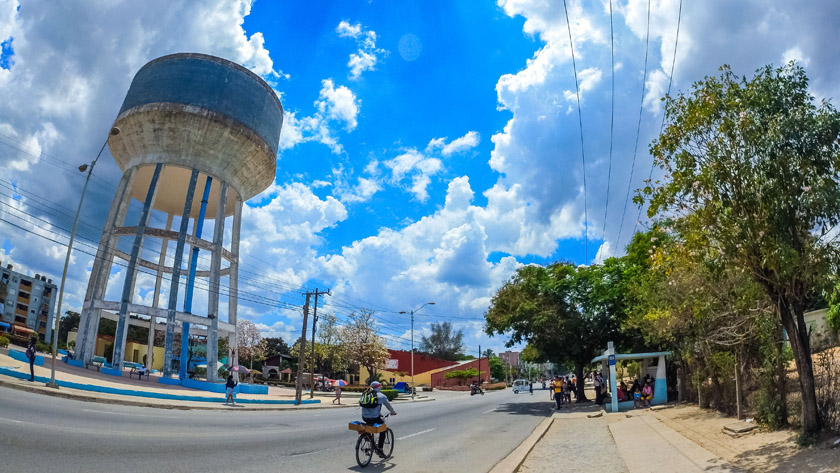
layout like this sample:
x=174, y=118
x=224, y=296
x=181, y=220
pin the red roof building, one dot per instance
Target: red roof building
x=439, y=379
x=400, y=361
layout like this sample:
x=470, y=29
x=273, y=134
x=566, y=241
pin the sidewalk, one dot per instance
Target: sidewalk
x=89, y=385
x=623, y=442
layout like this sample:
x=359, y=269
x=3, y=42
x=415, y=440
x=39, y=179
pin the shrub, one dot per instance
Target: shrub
x=391, y=394
x=43, y=347
x=4, y=342
x=494, y=386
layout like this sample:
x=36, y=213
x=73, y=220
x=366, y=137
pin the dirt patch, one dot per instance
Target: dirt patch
x=757, y=451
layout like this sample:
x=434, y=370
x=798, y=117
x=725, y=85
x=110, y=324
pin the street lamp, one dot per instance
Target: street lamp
x=412, y=342
x=82, y=168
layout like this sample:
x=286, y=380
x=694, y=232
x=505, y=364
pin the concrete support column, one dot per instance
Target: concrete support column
x=234, y=278
x=131, y=270
x=101, y=270
x=660, y=387
x=176, y=276
x=613, y=384
x=164, y=245
x=215, y=276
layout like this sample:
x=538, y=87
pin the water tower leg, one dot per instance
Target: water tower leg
x=234, y=277
x=176, y=276
x=131, y=271
x=150, y=348
x=101, y=270
x=215, y=276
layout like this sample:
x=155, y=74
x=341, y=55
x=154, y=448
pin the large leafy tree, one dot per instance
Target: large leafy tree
x=755, y=164
x=250, y=341
x=566, y=313
x=444, y=342
x=69, y=322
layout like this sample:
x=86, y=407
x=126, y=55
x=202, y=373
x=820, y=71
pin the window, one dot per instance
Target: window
x=25, y=283
x=21, y=307
x=14, y=279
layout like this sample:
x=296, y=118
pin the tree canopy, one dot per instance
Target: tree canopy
x=752, y=167
x=443, y=343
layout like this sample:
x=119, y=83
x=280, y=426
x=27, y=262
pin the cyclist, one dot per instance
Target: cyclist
x=373, y=415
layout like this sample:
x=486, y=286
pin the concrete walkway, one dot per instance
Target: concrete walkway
x=145, y=393
x=624, y=442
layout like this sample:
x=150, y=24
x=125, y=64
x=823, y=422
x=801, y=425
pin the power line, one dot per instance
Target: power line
x=582, y=154
x=638, y=131
x=670, y=80
x=612, y=119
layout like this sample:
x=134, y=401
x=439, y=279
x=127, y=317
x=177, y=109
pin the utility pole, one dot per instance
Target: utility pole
x=412, y=312
x=314, y=323
x=479, y=367
x=302, y=352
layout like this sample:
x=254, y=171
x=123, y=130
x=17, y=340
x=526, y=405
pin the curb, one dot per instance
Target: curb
x=129, y=402
x=514, y=460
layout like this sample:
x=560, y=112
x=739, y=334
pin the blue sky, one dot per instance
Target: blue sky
x=429, y=148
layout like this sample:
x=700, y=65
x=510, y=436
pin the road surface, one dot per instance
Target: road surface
x=456, y=432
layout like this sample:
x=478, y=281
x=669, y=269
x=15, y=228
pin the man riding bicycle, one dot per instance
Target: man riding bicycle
x=373, y=415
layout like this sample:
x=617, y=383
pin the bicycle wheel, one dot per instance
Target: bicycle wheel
x=388, y=444
x=364, y=449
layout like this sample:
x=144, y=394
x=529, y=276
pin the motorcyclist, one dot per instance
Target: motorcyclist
x=373, y=415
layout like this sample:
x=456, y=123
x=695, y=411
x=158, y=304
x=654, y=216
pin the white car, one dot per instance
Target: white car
x=521, y=385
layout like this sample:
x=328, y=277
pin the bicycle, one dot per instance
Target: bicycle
x=365, y=445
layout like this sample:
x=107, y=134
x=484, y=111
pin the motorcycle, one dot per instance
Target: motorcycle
x=476, y=390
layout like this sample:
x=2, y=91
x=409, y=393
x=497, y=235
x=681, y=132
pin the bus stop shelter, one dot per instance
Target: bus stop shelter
x=608, y=360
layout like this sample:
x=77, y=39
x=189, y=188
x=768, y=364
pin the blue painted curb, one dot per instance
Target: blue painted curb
x=146, y=394
x=111, y=371
x=21, y=356
x=76, y=363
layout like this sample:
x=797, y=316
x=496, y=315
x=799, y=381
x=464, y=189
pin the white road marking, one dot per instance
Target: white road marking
x=491, y=410
x=126, y=414
x=415, y=434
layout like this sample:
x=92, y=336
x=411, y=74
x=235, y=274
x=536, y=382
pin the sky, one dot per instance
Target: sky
x=429, y=149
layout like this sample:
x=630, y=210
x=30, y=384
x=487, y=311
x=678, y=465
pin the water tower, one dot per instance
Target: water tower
x=196, y=137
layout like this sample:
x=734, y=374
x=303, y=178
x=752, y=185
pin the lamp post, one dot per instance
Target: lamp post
x=412, y=342
x=82, y=168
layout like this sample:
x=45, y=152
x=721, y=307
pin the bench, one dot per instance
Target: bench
x=97, y=362
x=140, y=372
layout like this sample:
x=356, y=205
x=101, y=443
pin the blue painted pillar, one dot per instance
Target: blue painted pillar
x=660, y=387
x=188, y=296
x=176, y=277
x=131, y=272
x=613, y=386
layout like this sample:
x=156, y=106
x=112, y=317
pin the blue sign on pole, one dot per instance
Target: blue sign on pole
x=611, y=358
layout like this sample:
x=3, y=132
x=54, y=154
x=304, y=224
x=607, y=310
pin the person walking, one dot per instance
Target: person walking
x=337, y=395
x=551, y=389
x=531, y=388
x=229, y=388
x=30, y=354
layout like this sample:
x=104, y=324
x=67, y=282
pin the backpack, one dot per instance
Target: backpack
x=30, y=353
x=369, y=399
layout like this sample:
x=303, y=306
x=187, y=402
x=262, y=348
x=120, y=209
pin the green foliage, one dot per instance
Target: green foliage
x=391, y=394
x=461, y=375
x=4, y=342
x=563, y=312
x=751, y=168
x=43, y=347
x=497, y=367
x=443, y=343
x=69, y=322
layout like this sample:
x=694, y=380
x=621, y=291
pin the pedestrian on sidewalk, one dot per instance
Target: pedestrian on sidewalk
x=30, y=354
x=558, y=392
x=337, y=395
x=551, y=389
x=229, y=388
x=531, y=388
x=596, y=384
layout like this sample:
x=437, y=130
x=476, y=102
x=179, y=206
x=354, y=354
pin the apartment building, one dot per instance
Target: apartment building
x=27, y=303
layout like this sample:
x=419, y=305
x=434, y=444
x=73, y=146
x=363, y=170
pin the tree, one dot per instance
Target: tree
x=363, y=346
x=443, y=343
x=565, y=313
x=69, y=322
x=330, y=351
x=275, y=346
x=497, y=368
x=755, y=164
x=249, y=341
x=461, y=375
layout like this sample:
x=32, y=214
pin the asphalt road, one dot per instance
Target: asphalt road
x=456, y=432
